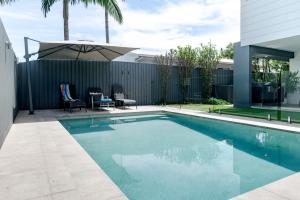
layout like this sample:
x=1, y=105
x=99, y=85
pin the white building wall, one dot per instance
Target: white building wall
x=294, y=99
x=268, y=20
x=7, y=84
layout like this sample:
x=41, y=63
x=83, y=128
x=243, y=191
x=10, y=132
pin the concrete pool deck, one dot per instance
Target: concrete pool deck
x=40, y=160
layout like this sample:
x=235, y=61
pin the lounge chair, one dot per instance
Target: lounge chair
x=119, y=97
x=98, y=99
x=67, y=100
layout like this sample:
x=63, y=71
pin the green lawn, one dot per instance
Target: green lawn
x=200, y=107
x=246, y=112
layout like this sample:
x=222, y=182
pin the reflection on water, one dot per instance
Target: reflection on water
x=262, y=137
x=173, y=157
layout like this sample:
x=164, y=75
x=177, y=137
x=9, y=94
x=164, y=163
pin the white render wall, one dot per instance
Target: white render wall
x=7, y=84
x=268, y=20
x=294, y=99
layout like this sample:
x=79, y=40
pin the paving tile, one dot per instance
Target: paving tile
x=21, y=163
x=65, y=140
x=71, y=149
x=60, y=180
x=259, y=194
x=25, y=185
x=20, y=147
x=287, y=187
x=97, y=187
x=53, y=160
x=68, y=195
x=48, y=197
x=123, y=197
x=4, y=189
x=49, y=147
x=77, y=163
x=94, y=193
x=89, y=177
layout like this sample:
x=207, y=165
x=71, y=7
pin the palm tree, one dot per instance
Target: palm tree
x=111, y=7
x=107, y=25
x=2, y=2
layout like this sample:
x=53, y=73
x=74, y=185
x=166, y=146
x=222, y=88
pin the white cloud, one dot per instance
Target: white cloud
x=173, y=24
x=18, y=16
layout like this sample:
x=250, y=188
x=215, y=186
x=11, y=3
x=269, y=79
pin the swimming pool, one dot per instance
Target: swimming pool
x=162, y=156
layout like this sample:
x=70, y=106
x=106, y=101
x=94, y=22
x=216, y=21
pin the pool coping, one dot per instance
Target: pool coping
x=239, y=120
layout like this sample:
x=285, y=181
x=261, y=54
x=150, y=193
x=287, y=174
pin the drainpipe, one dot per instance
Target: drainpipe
x=27, y=56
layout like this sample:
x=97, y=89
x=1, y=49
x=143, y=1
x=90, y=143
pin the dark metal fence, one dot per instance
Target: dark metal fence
x=140, y=81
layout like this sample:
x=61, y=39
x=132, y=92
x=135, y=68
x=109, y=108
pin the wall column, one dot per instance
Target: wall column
x=242, y=76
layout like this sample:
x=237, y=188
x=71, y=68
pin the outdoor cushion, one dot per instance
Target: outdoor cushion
x=125, y=102
x=128, y=101
x=65, y=90
x=119, y=96
x=104, y=100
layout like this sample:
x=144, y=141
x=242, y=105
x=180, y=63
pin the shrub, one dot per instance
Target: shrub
x=215, y=101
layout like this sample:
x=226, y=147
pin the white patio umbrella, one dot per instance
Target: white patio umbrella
x=80, y=50
x=71, y=50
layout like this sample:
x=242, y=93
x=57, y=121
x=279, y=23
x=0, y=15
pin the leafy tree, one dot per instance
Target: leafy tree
x=278, y=66
x=208, y=59
x=228, y=52
x=165, y=62
x=187, y=59
x=265, y=69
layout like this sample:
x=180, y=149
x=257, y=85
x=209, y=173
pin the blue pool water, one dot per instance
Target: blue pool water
x=166, y=156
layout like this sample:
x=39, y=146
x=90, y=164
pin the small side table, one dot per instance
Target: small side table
x=97, y=94
x=92, y=95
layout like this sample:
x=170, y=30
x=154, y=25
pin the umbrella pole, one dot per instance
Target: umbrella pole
x=31, y=111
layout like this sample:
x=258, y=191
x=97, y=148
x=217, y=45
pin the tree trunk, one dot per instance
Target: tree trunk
x=106, y=26
x=66, y=19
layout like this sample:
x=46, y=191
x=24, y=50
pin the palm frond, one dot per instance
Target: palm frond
x=115, y=11
x=73, y=2
x=46, y=6
x=2, y=2
x=110, y=5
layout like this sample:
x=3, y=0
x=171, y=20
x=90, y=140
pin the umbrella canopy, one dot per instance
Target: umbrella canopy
x=80, y=50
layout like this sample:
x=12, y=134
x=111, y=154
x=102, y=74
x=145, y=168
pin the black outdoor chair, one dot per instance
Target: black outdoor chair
x=118, y=95
x=67, y=92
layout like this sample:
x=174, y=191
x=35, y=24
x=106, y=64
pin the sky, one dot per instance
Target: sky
x=154, y=26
